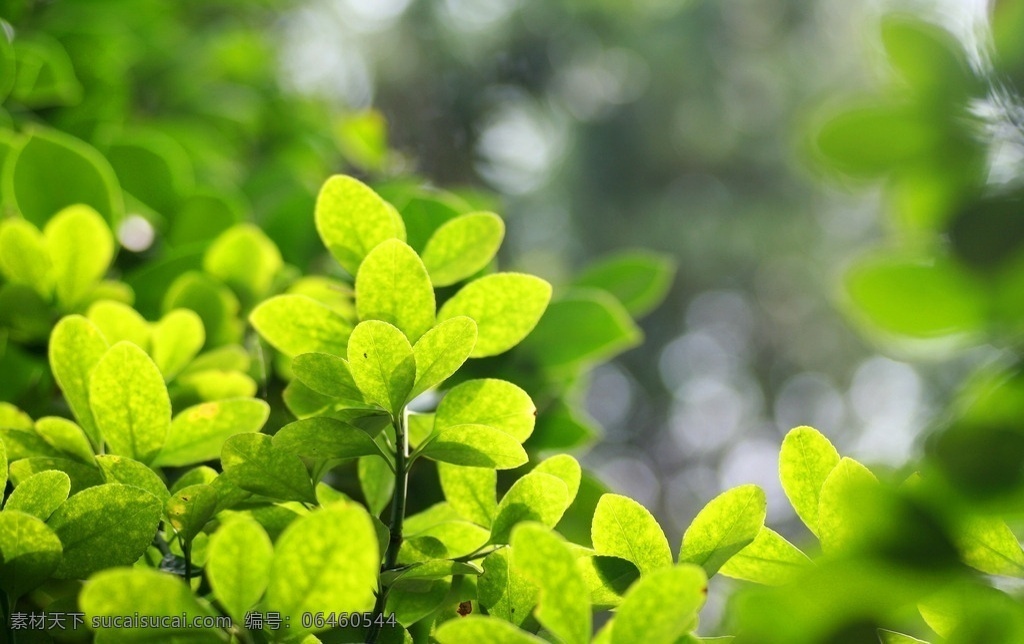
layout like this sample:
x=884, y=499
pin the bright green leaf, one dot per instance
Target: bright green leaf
x=130, y=403
x=838, y=504
x=296, y=324
x=24, y=258
x=252, y=463
x=505, y=307
x=238, y=565
x=473, y=628
x=805, y=461
x=441, y=351
x=392, y=286
x=535, y=497
x=103, y=526
x=123, y=470
x=892, y=637
x=29, y=552
x=176, y=339
x=190, y=508
x=462, y=246
x=769, y=560
x=503, y=589
x=987, y=544
x=725, y=526
x=624, y=528
x=607, y=578
x=566, y=468
x=125, y=591
x=245, y=259
x=638, y=279
x=198, y=433
x=82, y=476
x=495, y=403
x=382, y=364
x=76, y=347
x=582, y=326
x=377, y=482
x=324, y=438
x=564, y=605
x=3, y=465
x=642, y=616
x=470, y=491
x=66, y=437
x=81, y=247
x=325, y=561
x=118, y=322
x=352, y=220
x=326, y=374
x=40, y=494
x=476, y=446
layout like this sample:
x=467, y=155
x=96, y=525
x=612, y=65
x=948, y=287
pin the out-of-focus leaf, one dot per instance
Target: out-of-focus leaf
x=837, y=504
x=641, y=616
x=638, y=279
x=119, y=322
x=81, y=247
x=245, y=259
x=24, y=258
x=176, y=339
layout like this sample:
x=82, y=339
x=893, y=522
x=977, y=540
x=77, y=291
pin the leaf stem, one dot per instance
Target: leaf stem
x=397, y=514
x=186, y=549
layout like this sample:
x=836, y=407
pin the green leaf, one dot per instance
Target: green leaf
x=198, y=433
x=639, y=279
x=470, y=491
x=177, y=338
x=195, y=476
x=325, y=438
x=326, y=374
x=473, y=628
x=325, y=561
x=459, y=538
x=377, y=482
x=430, y=570
x=769, y=560
x=46, y=77
x=462, y=246
x=624, y=528
x=189, y=509
x=494, y=403
x=76, y=347
x=24, y=258
x=919, y=298
x=892, y=637
x=103, y=526
x=535, y=497
x=505, y=307
x=503, y=589
x=838, y=504
x=245, y=259
x=928, y=57
x=392, y=286
x=476, y=446
x=119, y=322
x=872, y=140
x=29, y=552
x=213, y=302
x=382, y=364
x=49, y=170
x=416, y=599
x=3, y=465
x=642, y=616
x=238, y=565
x=66, y=437
x=805, y=461
x=295, y=324
x=607, y=578
x=582, y=326
x=120, y=469
x=125, y=591
x=40, y=494
x=566, y=468
x=987, y=544
x=441, y=351
x=725, y=526
x=352, y=220
x=253, y=463
x=82, y=476
x=81, y=247
x=564, y=605
x=130, y=403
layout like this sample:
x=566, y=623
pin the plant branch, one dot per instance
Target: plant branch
x=397, y=514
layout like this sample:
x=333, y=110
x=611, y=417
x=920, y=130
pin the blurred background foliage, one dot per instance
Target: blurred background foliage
x=837, y=184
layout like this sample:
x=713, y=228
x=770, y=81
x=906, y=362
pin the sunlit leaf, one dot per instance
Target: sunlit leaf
x=81, y=247
x=198, y=433
x=503, y=589
x=473, y=628
x=119, y=322
x=29, y=552
x=66, y=437
x=123, y=470
x=252, y=463
x=564, y=604
x=476, y=446
x=40, y=494
x=24, y=258
x=324, y=438
x=352, y=220
x=176, y=339
x=326, y=374
x=441, y=351
x=805, y=461
x=238, y=565
x=462, y=246
x=470, y=491
x=724, y=527
x=392, y=286
x=642, y=616
x=75, y=349
x=505, y=307
x=537, y=497
x=838, y=504
x=566, y=468
x=296, y=324
x=382, y=364
x=244, y=258
x=624, y=528
x=494, y=403
x=638, y=279
x=769, y=559
x=190, y=508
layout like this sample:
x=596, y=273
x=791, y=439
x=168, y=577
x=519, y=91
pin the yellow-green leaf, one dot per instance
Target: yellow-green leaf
x=81, y=247
x=642, y=615
x=392, y=286
x=176, y=339
x=725, y=526
x=623, y=528
x=76, y=347
x=40, y=494
x=538, y=497
x=470, y=491
x=190, y=508
x=494, y=403
x=29, y=552
x=805, y=461
x=126, y=471
x=130, y=403
x=382, y=364
x=441, y=351
x=476, y=446
x=238, y=564
x=769, y=560
x=352, y=220
x=505, y=307
x=198, y=433
x=295, y=324
x=473, y=628
x=503, y=589
x=24, y=258
x=325, y=438
x=462, y=246
x=252, y=463
x=245, y=259
x=118, y=322
x=564, y=604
